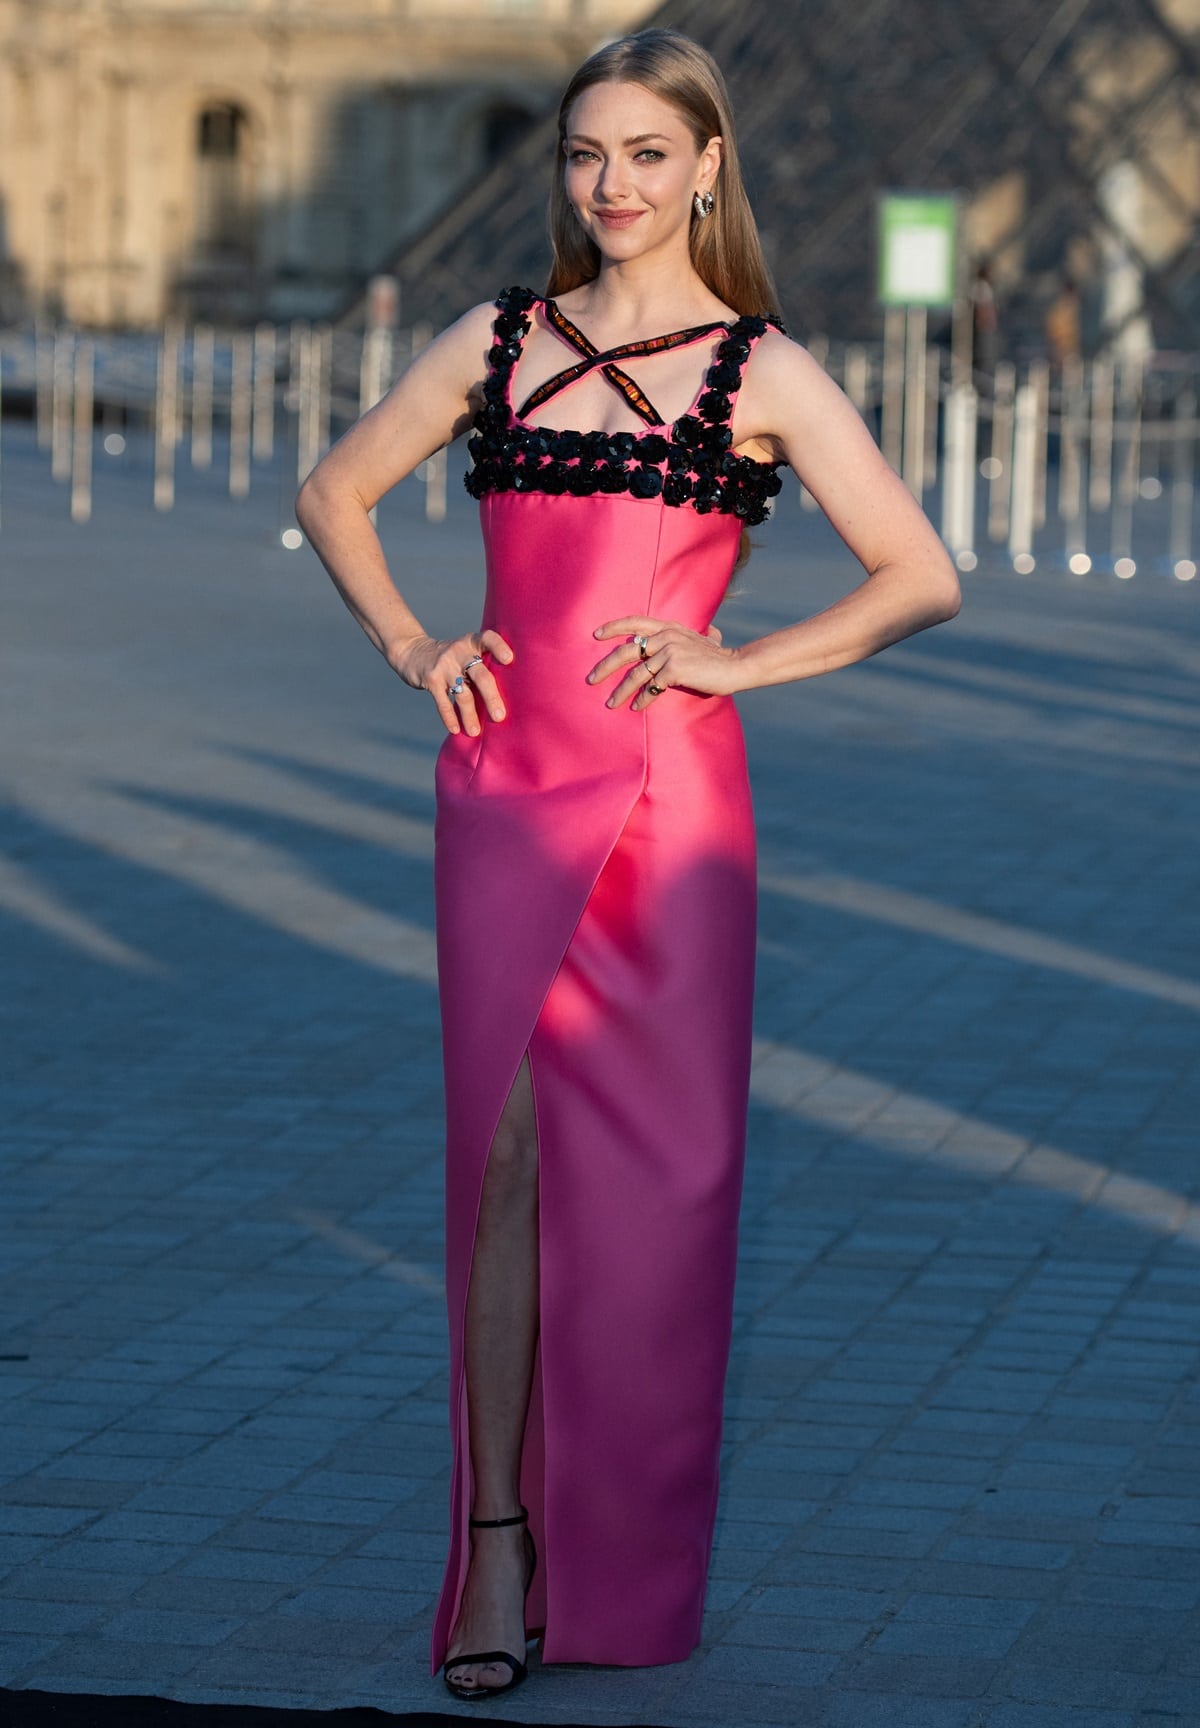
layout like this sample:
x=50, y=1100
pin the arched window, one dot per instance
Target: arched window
x=223, y=226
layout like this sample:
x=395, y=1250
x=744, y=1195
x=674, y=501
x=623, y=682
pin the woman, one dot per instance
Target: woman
x=595, y=850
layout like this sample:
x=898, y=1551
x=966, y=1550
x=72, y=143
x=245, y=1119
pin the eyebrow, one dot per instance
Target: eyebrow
x=642, y=138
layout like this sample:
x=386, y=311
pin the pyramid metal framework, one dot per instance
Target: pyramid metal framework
x=836, y=102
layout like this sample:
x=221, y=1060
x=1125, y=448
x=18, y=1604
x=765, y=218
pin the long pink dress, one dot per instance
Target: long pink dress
x=595, y=881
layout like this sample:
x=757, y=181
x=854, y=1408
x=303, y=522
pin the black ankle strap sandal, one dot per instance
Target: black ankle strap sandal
x=519, y=1670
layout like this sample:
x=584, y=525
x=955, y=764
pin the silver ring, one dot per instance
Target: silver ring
x=475, y=660
x=455, y=690
x=640, y=643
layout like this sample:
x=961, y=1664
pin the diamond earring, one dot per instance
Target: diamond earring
x=702, y=203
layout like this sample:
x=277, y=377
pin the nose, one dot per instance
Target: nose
x=612, y=184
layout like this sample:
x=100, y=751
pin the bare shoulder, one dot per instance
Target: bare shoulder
x=786, y=397
x=460, y=351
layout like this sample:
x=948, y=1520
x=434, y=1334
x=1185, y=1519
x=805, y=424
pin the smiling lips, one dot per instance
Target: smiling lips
x=619, y=218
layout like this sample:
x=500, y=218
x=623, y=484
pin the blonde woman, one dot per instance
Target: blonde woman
x=595, y=852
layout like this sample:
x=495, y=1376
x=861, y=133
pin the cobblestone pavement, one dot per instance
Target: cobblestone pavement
x=963, y=1430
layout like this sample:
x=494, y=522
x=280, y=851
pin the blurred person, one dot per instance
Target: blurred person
x=985, y=323
x=1062, y=323
x=595, y=849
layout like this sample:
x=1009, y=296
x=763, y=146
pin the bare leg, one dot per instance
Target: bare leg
x=501, y=1332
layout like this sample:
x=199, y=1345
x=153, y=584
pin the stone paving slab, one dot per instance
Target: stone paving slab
x=963, y=1442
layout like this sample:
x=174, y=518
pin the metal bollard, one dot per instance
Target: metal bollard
x=1023, y=502
x=915, y=363
x=43, y=369
x=203, y=356
x=892, y=412
x=1127, y=461
x=999, y=462
x=1100, y=487
x=61, y=413
x=166, y=410
x=241, y=412
x=958, y=475
x=81, y=441
x=1183, y=484
x=263, y=445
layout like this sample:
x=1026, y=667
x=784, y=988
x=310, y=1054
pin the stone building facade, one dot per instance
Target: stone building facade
x=249, y=157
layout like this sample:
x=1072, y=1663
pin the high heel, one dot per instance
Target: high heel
x=469, y=1694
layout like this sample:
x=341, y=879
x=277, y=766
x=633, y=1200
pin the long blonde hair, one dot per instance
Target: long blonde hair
x=725, y=248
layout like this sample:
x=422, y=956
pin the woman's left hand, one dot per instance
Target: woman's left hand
x=675, y=658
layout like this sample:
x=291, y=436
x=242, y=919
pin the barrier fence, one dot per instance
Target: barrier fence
x=1087, y=465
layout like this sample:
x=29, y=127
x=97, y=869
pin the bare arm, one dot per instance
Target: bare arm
x=790, y=410
x=799, y=413
x=425, y=409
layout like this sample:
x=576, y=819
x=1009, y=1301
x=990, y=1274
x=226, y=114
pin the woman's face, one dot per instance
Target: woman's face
x=632, y=169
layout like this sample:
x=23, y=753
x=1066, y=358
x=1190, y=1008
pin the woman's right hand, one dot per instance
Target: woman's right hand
x=427, y=663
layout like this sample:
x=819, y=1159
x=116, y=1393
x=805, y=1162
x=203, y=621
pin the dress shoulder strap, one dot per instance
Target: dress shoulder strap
x=709, y=418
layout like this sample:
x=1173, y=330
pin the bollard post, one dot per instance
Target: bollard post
x=82, y=440
x=933, y=402
x=958, y=474
x=263, y=445
x=1127, y=461
x=323, y=394
x=241, y=412
x=435, y=486
x=1039, y=378
x=1000, y=459
x=1024, y=479
x=915, y=361
x=892, y=412
x=61, y=414
x=43, y=371
x=166, y=406
x=1072, y=507
x=856, y=378
x=1100, y=487
x=203, y=356
x=1183, y=483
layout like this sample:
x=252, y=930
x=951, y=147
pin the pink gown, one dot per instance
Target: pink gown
x=595, y=882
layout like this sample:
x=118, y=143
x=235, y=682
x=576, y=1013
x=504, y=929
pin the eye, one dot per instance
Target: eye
x=651, y=155
x=581, y=155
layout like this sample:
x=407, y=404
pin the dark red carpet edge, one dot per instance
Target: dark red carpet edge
x=100, y=1710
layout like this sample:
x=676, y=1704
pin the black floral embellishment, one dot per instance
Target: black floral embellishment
x=653, y=448
x=734, y=349
x=581, y=481
x=677, y=489
x=516, y=299
x=621, y=446
x=613, y=479
x=553, y=478
x=566, y=445
x=725, y=376
x=645, y=482
x=713, y=406
x=687, y=429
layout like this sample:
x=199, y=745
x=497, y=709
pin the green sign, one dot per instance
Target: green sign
x=917, y=245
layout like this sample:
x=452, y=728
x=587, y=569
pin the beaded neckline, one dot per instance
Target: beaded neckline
x=606, y=362
x=689, y=462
